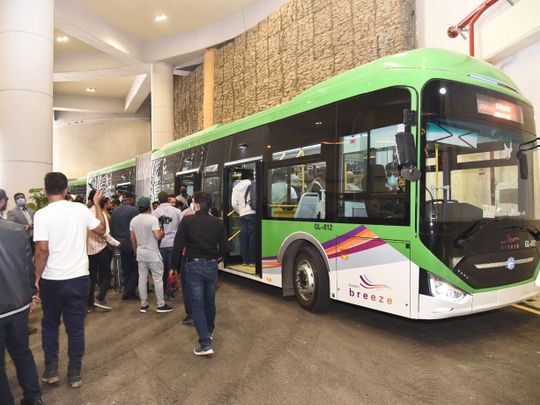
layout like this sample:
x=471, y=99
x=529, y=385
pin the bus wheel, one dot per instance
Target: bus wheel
x=311, y=283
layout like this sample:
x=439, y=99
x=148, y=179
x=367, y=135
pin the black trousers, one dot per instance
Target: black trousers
x=100, y=272
x=14, y=337
x=131, y=271
x=64, y=299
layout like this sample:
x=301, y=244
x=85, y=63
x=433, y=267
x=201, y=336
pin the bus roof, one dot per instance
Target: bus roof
x=77, y=182
x=412, y=68
x=118, y=166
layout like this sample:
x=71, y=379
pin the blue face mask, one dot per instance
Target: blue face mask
x=392, y=181
x=21, y=202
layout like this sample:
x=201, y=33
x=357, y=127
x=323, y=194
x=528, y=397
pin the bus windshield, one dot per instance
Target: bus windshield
x=471, y=171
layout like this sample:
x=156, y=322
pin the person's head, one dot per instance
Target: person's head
x=172, y=200
x=392, y=174
x=20, y=199
x=247, y=174
x=105, y=203
x=163, y=197
x=68, y=196
x=3, y=199
x=91, y=198
x=144, y=204
x=183, y=189
x=115, y=202
x=56, y=184
x=155, y=204
x=129, y=198
x=202, y=200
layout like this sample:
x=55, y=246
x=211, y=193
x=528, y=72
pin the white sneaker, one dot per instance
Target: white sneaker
x=111, y=241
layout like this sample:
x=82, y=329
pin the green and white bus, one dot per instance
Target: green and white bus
x=120, y=176
x=406, y=185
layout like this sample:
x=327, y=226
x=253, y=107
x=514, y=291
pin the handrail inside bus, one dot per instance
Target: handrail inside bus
x=234, y=236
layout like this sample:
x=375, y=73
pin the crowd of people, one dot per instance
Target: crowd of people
x=57, y=256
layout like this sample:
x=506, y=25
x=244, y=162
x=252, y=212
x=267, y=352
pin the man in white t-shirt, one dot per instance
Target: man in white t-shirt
x=62, y=276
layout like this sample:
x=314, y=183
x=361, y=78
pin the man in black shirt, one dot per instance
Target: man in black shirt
x=120, y=219
x=205, y=240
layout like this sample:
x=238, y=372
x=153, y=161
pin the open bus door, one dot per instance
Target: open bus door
x=192, y=180
x=231, y=176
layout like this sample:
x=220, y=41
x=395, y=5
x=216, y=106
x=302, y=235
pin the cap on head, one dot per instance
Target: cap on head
x=129, y=194
x=163, y=196
x=144, y=202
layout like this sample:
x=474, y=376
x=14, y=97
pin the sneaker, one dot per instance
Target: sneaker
x=164, y=308
x=90, y=309
x=201, y=350
x=144, y=308
x=102, y=305
x=50, y=375
x=74, y=377
x=188, y=320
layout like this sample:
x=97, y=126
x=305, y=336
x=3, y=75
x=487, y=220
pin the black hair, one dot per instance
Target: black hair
x=203, y=199
x=247, y=174
x=103, y=202
x=17, y=195
x=55, y=183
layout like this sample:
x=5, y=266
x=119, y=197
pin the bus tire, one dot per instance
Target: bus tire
x=310, y=279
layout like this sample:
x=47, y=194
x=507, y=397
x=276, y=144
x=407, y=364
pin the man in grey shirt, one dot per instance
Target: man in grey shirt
x=169, y=218
x=145, y=234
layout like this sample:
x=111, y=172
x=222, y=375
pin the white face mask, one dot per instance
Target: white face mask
x=392, y=181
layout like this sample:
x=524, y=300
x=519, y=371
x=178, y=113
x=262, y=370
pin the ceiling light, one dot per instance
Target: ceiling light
x=90, y=90
x=160, y=17
x=318, y=123
x=62, y=38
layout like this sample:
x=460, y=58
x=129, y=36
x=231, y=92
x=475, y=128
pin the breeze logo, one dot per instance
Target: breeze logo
x=365, y=283
x=511, y=242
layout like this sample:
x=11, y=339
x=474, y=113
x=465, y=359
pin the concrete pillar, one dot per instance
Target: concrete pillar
x=208, y=87
x=26, y=93
x=162, y=104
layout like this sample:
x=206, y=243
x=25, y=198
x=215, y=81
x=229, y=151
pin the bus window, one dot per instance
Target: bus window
x=210, y=184
x=369, y=183
x=297, y=191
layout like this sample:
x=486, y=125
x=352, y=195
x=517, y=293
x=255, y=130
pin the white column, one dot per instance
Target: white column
x=162, y=104
x=26, y=93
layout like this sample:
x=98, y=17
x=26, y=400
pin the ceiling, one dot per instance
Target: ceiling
x=137, y=16
x=71, y=45
x=117, y=87
x=112, y=45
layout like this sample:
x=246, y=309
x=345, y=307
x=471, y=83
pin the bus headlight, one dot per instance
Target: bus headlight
x=442, y=289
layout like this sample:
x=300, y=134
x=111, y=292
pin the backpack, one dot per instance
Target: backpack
x=250, y=197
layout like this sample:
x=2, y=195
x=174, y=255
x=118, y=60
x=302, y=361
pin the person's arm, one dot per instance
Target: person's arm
x=178, y=246
x=11, y=216
x=101, y=228
x=158, y=234
x=40, y=260
x=223, y=242
x=234, y=200
x=133, y=239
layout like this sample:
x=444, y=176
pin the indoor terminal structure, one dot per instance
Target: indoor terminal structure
x=269, y=202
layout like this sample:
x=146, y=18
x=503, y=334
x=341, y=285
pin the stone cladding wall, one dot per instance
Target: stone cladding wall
x=301, y=44
x=188, y=103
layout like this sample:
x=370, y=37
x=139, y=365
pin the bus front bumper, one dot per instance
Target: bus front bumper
x=435, y=308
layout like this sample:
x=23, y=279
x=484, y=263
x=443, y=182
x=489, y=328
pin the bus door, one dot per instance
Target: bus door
x=232, y=175
x=191, y=179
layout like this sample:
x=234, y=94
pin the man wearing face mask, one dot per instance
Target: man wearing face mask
x=24, y=216
x=392, y=177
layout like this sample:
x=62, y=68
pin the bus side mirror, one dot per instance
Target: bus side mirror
x=523, y=165
x=406, y=151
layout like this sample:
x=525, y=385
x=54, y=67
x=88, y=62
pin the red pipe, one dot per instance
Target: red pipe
x=470, y=20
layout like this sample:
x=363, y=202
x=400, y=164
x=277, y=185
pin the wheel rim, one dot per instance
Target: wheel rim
x=305, y=280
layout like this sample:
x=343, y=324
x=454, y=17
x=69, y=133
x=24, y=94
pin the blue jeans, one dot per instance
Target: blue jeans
x=201, y=279
x=64, y=299
x=166, y=255
x=14, y=337
x=247, y=238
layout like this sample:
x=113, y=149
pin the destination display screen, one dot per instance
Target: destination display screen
x=499, y=108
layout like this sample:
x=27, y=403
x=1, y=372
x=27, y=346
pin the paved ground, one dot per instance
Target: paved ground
x=270, y=351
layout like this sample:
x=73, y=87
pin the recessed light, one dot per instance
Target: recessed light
x=160, y=17
x=62, y=38
x=318, y=123
x=90, y=90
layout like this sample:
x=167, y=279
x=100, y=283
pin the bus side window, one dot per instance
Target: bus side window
x=297, y=191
